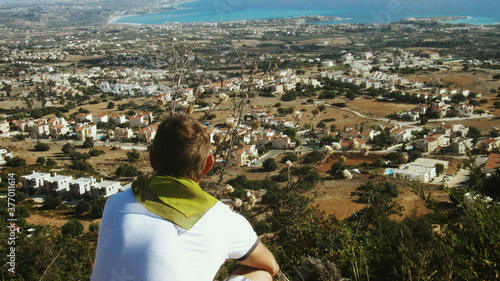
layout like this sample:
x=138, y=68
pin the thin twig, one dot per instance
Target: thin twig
x=53, y=260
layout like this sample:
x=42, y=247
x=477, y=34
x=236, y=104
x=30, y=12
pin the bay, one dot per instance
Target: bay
x=353, y=11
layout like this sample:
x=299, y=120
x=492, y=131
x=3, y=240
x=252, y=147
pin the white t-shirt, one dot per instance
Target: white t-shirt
x=137, y=244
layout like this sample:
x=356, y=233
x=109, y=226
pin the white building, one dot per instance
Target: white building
x=4, y=127
x=58, y=184
x=246, y=155
x=123, y=134
x=86, y=131
x=105, y=188
x=147, y=134
x=34, y=182
x=400, y=135
x=84, y=117
x=119, y=119
x=422, y=169
x=81, y=187
x=103, y=117
x=136, y=121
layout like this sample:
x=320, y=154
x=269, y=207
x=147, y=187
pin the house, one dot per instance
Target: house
x=348, y=134
x=40, y=130
x=86, y=131
x=492, y=164
x=119, y=119
x=427, y=144
x=282, y=142
x=141, y=119
x=460, y=145
x=367, y=136
x=289, y=86
x=105, y=188
x=356, y=143
x=490, y=144
x=464, y=108
x=58, y=184
x=400, y=135
x=444, y=129
x=4, y=127
x=23, y=125
x=57, y=122
x=414, y=173
x=55, y=131
x=4, y=153
x=84, y=117
x=422, y=169
x=103, y=117
x=246, y=155
x=123, y=134
x=34, y=182
x=136, y=121
x=256, y=112
x=81, y=186
x=277, y=88
x=147, y=134
x=459, y=130
x=429, y=163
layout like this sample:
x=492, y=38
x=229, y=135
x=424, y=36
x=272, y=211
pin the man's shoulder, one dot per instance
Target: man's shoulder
x=221, y=214
x=124, y=196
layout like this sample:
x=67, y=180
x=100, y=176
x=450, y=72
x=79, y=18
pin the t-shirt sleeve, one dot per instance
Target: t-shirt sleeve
x=241, y=238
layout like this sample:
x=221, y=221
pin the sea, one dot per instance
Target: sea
x=478, y=12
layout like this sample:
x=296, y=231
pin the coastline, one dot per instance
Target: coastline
x=172, y=7
x=307, y=19
x=311, y=19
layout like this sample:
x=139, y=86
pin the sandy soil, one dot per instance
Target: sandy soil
x=56, y=219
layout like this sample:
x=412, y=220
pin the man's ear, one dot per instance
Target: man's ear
x=209, y=164
x=152, y=160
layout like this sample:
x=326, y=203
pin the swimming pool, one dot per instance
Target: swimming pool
x=389, y=172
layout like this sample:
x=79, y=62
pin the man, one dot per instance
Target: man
x=167, y=228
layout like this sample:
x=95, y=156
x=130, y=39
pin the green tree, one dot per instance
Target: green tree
x=97, y=207
x=73, y=228
x=68, y=150
x=15, y=162
x=88, y=143
x=127, y=170
x=312, y=157
x=474, y=133
x=40, y=160
x=51, y=162
x=289, y=157
x=133, y=156
x=51, y=202
x=269, y=165
x=82, y=207
x=439, y=168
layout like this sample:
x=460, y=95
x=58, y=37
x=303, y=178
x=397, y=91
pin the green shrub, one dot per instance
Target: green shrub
x=39, y=146
x=51, y=202
x=73, y=228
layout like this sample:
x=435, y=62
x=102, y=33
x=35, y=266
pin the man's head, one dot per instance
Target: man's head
x=181, y=148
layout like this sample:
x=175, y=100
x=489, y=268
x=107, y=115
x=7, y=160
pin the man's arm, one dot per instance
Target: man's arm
x=262, y=258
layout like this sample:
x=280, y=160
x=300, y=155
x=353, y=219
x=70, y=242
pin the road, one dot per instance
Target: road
x=413, y=124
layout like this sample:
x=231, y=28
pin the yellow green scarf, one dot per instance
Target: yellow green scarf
x=178, y=200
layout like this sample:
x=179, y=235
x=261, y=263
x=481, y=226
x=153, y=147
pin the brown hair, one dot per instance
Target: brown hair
x=181, y=147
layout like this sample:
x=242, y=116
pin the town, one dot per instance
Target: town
x=313, y=124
